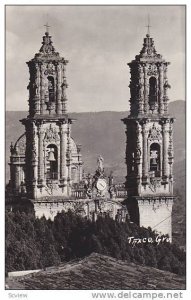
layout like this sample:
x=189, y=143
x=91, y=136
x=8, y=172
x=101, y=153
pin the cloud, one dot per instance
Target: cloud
x=98, y=41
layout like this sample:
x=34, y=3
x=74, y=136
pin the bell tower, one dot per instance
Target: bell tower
x=149, y=137
x=52, y=161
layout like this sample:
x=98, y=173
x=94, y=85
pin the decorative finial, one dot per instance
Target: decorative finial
x=148, y=26
x=47, y=27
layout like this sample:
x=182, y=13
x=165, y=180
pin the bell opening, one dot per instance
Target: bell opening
x=155, y=159
x=51, y=162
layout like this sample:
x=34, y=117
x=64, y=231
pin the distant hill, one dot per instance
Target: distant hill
x=102, y=133
x=98, y=272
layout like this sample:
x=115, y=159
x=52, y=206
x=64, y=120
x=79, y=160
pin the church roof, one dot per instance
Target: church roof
x=20, y=146
x=96, y=272
x=47, y=50
x=148, y=52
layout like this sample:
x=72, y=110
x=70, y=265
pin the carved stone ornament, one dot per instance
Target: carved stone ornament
x=22, y=146
x=154, y=133
x=152, y=71
x=34, y=152
x=51, y=135
x=138, y=153
x=50, y=69
x=101, y=206
x=156, y=206
x=51, y=186
x=154, y=184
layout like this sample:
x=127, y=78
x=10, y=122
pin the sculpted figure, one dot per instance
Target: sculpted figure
x=100, y=162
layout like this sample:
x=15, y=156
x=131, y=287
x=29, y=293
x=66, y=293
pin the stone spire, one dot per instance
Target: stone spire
x=47, y=83
x=47, y=48
x=148, y=50
x=149, y=149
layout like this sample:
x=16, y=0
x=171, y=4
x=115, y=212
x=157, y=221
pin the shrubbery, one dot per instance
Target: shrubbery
x=33, y=243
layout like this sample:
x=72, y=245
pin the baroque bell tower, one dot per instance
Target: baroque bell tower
x=149, y=137
x=52, y=160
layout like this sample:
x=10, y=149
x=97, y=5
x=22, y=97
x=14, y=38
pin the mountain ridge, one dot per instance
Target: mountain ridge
x=104, y=133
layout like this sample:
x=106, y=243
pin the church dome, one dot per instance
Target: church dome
x=74, y=148
x=20, y=145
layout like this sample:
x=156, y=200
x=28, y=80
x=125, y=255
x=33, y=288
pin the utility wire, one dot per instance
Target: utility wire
x=162, y=221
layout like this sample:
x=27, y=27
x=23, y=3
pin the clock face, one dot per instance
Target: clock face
x=101, y=184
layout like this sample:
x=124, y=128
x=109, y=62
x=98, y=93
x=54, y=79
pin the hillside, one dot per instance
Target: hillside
x=97, y=272
x=102, y=133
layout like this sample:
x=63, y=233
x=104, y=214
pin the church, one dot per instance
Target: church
x=45, y=159
x=46, y=164
x=149, y=142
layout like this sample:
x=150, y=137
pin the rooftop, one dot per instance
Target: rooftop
x=98, y=272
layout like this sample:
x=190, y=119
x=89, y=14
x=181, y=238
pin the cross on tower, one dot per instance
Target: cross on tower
x=47, y=26
x=148, y=26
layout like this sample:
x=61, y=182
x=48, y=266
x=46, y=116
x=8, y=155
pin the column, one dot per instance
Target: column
x=138, y=149
x=34, y=155
x=161, y=84
x=63, y=145
x=170, y=149
x=145, y=150
x=165, y=88
x=141, y=89
x=165, y=148
x=64, y=98
x=40, y=155
x=145, y=89
x=17, y=175
x=42, y=90
x=69, y=160
x=80, y=172
x=59, y=89
x=38, y=89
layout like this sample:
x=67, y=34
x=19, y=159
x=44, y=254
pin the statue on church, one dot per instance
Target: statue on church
x=100, y=162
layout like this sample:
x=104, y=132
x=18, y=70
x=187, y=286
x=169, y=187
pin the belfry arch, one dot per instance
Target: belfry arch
x=154, y=159
x=51, y=162
x=152, y=93
x=51, y=88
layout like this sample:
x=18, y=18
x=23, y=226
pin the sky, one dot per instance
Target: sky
x=98, y=41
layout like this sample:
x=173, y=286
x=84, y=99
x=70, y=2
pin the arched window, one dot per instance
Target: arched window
x=51, y=88
x=155, y=159
x=152, y=93
x=51, y=162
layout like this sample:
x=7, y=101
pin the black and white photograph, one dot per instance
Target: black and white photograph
x=95, y=149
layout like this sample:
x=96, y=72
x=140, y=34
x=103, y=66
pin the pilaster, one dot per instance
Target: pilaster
x=63, y=148
x=145, y=150
x=161, y=84
x=165, y=131
x=41, y=155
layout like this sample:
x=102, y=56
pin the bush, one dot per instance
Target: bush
x=33, y=243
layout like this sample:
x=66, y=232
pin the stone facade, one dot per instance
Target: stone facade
x=90, y=208
x=149, y=133
x=45, y=163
